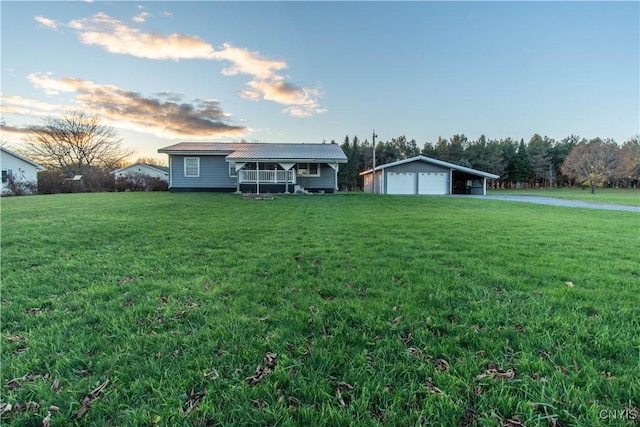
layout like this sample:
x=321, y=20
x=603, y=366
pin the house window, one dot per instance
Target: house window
x=6, y=175
x=192, y=166
x=232, y=169
x=308, y=169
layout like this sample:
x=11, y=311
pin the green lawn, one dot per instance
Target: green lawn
x=620, y=196
x=161, y=309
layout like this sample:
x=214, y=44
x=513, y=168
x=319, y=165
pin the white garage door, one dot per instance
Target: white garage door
x=432, y=183
x=401, y=183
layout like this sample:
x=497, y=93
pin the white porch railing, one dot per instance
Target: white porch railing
x=267, y=176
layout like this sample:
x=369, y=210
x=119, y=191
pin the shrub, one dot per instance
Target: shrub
x=19, y=187
x=140, y=182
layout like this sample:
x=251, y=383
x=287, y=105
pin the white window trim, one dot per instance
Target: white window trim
x=197, y=175
x=307, y=168
x=232, y=169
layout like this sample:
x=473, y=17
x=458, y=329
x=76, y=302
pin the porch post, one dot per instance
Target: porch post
x=288, y=167
x=257, y=178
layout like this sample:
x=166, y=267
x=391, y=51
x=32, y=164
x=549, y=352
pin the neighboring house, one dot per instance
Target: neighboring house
x=424, y=175
x=137, y=169
x=21, y=170
x=254, y=167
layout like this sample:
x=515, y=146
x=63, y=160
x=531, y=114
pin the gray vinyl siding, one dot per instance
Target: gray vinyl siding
x=214, y=173
x=326, y=180
x=417, y=166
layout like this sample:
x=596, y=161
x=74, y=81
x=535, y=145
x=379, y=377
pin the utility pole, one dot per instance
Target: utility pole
x=373, y=183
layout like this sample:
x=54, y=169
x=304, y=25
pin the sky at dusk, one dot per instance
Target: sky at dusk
x=166, y=72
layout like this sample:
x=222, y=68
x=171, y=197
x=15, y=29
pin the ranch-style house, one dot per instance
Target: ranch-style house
x=254, y=167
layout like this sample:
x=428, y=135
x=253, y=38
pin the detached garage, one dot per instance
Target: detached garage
x=422, y=175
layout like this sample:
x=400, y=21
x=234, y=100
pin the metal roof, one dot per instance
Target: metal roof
x=435, y=162
x=262, y=151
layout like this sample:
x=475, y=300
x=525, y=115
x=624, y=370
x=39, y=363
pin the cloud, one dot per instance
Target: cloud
x=266, y=84
x=12, y=131
x=128, y=109
x=244, y=61
x=46, y=22
x=116, y=37
x=28, y=107
x=302, y=102
x=142, y=17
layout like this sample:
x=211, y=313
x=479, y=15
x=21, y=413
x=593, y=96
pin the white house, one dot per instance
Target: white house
x=17, y=168
x=160, y=172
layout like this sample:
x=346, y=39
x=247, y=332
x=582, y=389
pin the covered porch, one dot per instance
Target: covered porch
x=265, y=177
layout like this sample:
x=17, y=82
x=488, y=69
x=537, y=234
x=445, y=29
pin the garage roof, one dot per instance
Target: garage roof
x=435, y=162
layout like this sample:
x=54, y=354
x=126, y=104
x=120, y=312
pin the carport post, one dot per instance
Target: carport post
x=373, y=183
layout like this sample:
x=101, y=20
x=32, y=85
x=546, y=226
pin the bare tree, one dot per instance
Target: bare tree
x=592, y=163
x=73, y=142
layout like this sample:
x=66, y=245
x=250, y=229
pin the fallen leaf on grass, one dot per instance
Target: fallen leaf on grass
x=494, y=372
x=20, y=349
x=293, y=402
x=124, y=280
x=16, y=338
x=7, y=408
x=442, y=365
x=512, y=422
x=213, y=375
x=413, y=351
x=379, y=414
x=468, y=419
x=408, y=337
x=193, y=401
x=56, y=385
x=341, y=387
x=86, y=402
x=569, y=284
x=46, y=422
x=16, y=383
x=432, y=388
x=260, y=404
x=268, y=363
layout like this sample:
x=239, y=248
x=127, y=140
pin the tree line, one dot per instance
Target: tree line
x=78, y=144
x=540, y=162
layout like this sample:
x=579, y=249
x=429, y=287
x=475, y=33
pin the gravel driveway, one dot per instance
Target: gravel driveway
x=561, y=202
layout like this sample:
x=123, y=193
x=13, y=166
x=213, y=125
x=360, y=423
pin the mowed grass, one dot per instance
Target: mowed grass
x=621, y=196
x=161, y=309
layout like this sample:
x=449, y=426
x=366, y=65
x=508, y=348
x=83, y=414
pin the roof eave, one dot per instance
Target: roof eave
x=195, y=152
x=283, y=160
